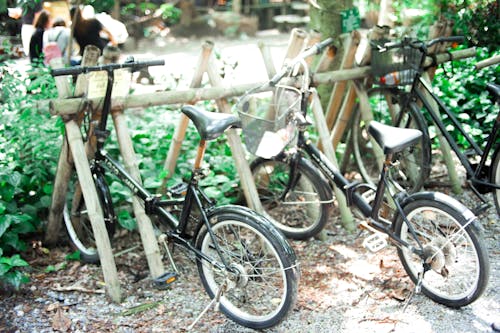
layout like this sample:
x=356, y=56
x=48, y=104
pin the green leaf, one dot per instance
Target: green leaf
x=4, y=224
x=126, y=220
x=73, y=256
x=16, y=278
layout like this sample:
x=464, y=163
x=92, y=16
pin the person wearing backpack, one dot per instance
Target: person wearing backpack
x=56, y=41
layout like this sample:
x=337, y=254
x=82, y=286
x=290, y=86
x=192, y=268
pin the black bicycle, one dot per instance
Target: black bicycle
x=243, y=261
x=438, y=239
x=402, y=64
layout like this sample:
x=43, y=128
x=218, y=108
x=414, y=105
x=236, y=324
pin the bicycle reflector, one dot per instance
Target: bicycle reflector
x=164, y=280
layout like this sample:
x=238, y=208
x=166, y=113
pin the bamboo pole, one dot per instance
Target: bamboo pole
x=442, y=28
x=234, y=140
x=69, y=106
x=338, y=91
x=367, y=116
x=345, y=213
x=144, y=225
x=268, y=60
x=94, y=210
x=295, y=43
x=344, y=117
x=149, y=242
x=180, y=131
x=65, y=163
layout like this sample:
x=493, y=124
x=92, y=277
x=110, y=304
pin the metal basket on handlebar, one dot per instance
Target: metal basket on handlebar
x=395, y=66
x=267, y=119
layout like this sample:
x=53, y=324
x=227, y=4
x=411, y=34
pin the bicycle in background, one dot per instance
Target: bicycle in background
x=437, y=238
x=401, y=65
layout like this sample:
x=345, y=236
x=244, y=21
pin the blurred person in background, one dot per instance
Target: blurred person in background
x=88, y=31
x=42, y=22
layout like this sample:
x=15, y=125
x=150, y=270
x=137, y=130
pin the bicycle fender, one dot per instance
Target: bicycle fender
x=445, y=200
x=262, y=220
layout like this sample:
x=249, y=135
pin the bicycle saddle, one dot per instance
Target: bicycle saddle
x=393, y=139
x=210, y=125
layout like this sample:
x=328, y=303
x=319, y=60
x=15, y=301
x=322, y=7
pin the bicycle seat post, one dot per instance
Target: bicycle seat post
x=202, y=145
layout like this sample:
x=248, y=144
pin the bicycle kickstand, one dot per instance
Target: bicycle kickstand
x=215, y=301
x=415, y=290
x=166, y=278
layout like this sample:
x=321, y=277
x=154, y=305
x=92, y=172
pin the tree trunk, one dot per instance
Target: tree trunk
x=327, y=20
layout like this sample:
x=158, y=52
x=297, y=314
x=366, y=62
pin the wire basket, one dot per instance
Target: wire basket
x=395, y=66
x=267, y=119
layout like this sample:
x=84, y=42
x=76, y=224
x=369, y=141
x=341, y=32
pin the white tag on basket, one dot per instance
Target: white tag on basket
x=272, y=143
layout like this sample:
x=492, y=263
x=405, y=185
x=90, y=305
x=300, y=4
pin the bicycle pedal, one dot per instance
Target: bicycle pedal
x=375, y=242
x=165, y=280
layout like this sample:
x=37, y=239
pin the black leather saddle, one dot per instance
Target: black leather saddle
x=210, y=125
x=393, y=139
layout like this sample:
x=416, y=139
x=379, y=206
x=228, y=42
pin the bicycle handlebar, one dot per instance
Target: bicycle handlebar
x=136, y=65
x=314, y=49
x=420, y=44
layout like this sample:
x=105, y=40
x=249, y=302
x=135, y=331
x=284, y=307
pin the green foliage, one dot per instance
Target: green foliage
x=464, y=92
x=101, y=6
x=169, y=13
x=28, y=136
x=478, y=20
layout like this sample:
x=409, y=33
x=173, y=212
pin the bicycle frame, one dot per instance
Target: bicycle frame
x=154, y=206
x=473, y=174
x=353, y=198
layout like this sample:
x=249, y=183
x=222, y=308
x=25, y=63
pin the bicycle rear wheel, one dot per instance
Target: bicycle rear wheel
x=260, y=284
x=300, y=207
x=414, y=162
x=456, y=261
x=77, y=222
x=495, y=177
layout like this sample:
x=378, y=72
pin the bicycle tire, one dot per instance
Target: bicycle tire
x=495, y=177
x=413, y=168
x=262, y=287
x=305, y=210
x=459, y=267
x=77, y=222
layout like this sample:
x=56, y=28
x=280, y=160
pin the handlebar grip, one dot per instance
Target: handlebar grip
x=142, y=64
x=322, y=45
x=315, y=49
x=67, y=71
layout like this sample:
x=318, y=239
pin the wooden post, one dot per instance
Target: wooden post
x=339, y=89
x=347, y=111
x=346, y=215
x=295, y=43
x=440, y=29
x=268, y=60
x=149, y=242
x=65, y=165
x=94, y=210
x=144, y=225
x=246, y=179
x=180, y=131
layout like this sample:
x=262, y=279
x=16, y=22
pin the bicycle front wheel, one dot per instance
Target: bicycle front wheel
x=259, y=285
x=455, y=269
x=413, y=167
x=77, y=222
x=495, y=177
x=299, y=207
